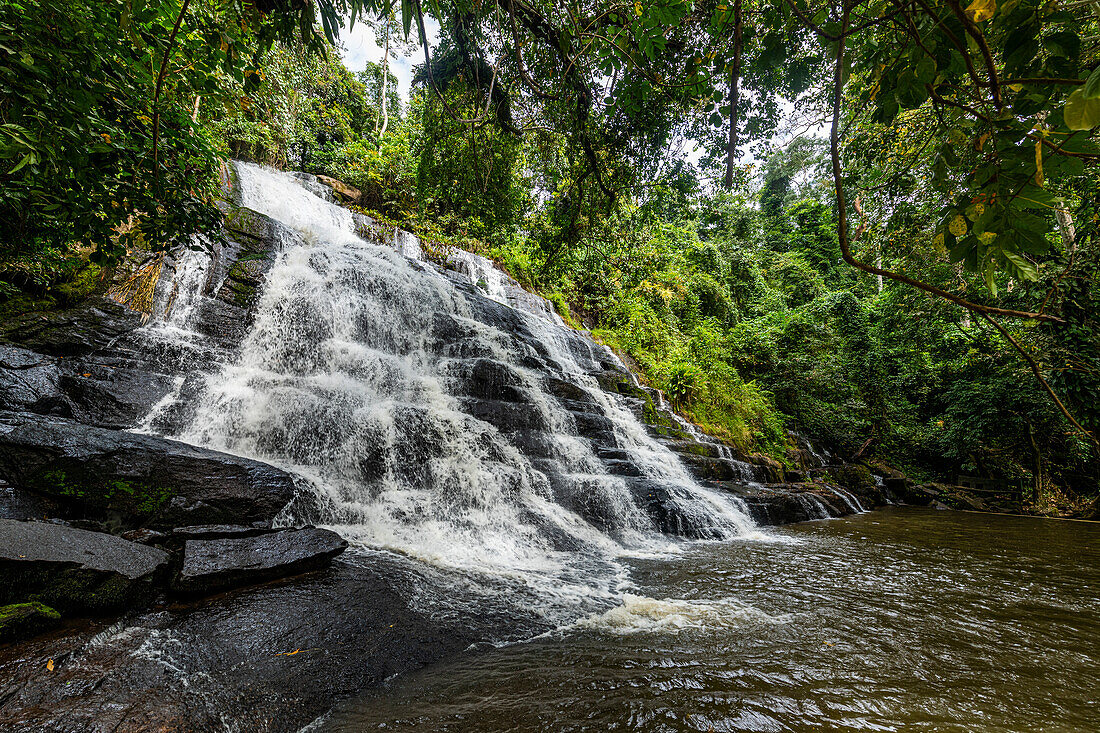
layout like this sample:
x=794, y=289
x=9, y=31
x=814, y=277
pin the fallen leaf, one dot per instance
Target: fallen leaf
x=49, y=665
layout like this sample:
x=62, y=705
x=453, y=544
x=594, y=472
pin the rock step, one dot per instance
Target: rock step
x=715, y=469
x=144, y=479
x=73, y=569
x=217, y=564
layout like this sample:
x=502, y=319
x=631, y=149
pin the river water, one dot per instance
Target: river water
x=903, y=619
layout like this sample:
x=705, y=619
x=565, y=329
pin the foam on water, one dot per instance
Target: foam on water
x=641, y=614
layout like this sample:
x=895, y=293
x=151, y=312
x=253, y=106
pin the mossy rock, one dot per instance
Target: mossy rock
x=78, y=590
x=123, y=496
x=86, y=281
x=855, y=478
x=23, y=620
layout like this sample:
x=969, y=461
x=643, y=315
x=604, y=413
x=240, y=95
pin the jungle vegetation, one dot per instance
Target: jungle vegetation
x=870, y=221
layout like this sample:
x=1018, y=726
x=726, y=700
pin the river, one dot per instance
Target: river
x=903, y=619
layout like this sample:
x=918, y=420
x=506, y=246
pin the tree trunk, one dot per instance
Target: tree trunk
x=1065, y=226
x=1037, y=457
x=735, y=80
x=385, y=84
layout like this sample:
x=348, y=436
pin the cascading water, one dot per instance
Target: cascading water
x=848, y=498
x=422, y=416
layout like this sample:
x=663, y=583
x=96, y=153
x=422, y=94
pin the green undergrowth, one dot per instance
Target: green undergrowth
x=672, y=326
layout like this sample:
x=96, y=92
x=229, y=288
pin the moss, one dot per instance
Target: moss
x=127, y=497
x=72, y=589
x=18, y=303
x=697, y=449
x=854, y=478
x=83, y=283
x=21, y=620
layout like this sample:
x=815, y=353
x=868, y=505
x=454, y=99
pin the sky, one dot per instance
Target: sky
x=358, y=46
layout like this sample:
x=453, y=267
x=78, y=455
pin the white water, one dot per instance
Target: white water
x=350, y=378
x=848, y=498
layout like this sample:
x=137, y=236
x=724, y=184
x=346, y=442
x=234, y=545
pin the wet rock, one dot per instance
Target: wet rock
x=81, y=330
x=110, y=396
x=658, y=500
x=485, y=379
x=95, y=391
x=232, y=658
x=23, y=620
x=144, y=480
x=768, y=470
x=776, y=507
x=73, y=569
x=508, y=417
x=713, y=469
x=224, y=322
x=255, y=240
x=19, y=504
x=31, y=382
x=219, y=531
x=855, y=478
x=217, y=564
x=144, y=536
x=568, y=391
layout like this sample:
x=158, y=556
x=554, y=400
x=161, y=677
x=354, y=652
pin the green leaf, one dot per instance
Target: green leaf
x=1025, y=270
x=28, y=158
x=1091, y=89
x=1081, y=113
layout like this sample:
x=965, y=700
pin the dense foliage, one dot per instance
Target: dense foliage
x=921, y=291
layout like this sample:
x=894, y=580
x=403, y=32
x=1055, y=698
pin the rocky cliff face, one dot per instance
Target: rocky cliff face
x=400, y=399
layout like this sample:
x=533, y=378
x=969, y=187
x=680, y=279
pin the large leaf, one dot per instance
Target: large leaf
x=981, y=10
x=1081, y=113
x=1091, y=89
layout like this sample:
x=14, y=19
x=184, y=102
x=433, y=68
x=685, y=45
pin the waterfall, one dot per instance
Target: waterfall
x=815, y=509
x=848, y=498
x=423, y=410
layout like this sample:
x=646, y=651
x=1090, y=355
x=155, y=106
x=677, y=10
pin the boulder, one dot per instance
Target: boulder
x=349, y=194
x=658, y=499
x=143, y=480
x=771, y=507
x=110, y=395
x=20, y=620
x=102, y=392
x=255, y=239
x=218, y=564
x=88, y=327
x=74, y=569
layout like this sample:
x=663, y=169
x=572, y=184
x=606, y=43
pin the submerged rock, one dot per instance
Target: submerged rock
x=73, y=569
x=144, y=480
x=217, y=564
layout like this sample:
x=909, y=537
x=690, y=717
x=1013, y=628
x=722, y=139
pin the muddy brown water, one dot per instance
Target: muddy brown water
x=897, y=620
